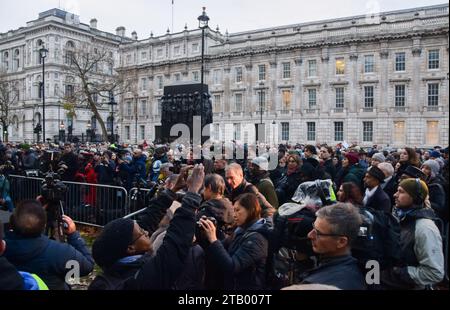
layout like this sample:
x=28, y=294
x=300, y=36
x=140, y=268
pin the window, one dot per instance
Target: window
x=340, y=66
x=177, y=77
x=238, y=74
x=286, y=70
x=69, y=91
x=286, y=100
x=217, y=76
x=127, y=132
x=338, y=131
x=142, y=131
x=56, y=76
x=195, y=48
x=237, y=131
x=312, y=67
x=368, y=97
x=261, y=72
x=143, y=107
x=217, y=104
x=238, y=102
x=159, y=53
x=176, y=50
x=129, y=110
x=128, y=58
x=261, y=100
x=367, y=131
x=160, y=82
x=196, y=76
x=285, y=131
x=433, y=59
x=159, y=107
x=144, y=55
x=399, y=95
x=5, y=61
x=312, y=98
x=368, y=63
x=432, y=133
x=339, y=98
x=433, y=94
x=399, y=133
x=144, y=83
x=16, y=62
x=400, y=59
x=311, y=131
x=216, y=131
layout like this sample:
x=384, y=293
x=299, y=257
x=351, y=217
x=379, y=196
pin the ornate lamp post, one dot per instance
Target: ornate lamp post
x=43, y=52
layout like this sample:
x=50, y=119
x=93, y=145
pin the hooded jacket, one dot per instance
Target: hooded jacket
x=10, y=278
x=47, y=258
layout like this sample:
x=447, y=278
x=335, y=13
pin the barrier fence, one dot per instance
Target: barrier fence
x=90, y=204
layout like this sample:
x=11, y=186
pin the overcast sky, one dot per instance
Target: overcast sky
x=145, y=16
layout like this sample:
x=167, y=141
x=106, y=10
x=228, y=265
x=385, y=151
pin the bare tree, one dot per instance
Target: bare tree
x=8, y=97
x=93, y=67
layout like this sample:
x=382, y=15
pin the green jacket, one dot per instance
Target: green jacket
x=265, y=187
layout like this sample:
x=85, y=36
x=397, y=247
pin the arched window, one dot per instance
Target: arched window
x=69, y=54
x=16, y=60
x=6, y=61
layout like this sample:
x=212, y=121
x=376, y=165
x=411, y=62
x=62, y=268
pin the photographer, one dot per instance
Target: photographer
x=29, y=250
x=123, y=249
x=71, y=161
x=104, y=168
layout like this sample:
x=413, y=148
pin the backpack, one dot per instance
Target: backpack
x=378, y=239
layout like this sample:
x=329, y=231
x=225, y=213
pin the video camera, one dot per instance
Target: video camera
x=53, y=189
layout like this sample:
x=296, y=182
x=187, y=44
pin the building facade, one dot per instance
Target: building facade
x=379, y=79
x=60, y=33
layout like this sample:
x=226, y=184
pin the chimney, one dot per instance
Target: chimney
x=93, y=23
x=134, y=35
x=120, y=31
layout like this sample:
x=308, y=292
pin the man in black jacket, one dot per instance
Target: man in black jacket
x=123, y=249
x=10, y=278
x=333, y=231
x=375, y=198
x=71, y=162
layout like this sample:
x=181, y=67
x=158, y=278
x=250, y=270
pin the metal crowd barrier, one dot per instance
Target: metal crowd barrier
x=85, y=203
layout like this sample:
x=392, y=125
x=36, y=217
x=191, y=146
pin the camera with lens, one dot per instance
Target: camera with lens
x=199, y=232
x=53, y=189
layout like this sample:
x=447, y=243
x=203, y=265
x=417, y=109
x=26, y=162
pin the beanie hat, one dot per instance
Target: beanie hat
x=113, y=242
x=377, y=173
x=414, y=172
x=352, y=157
x=434, y=166
x=379, y=157
x=435, y=154
x=415, y=188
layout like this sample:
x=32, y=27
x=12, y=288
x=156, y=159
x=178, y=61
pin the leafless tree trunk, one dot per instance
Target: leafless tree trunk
x=8, y=97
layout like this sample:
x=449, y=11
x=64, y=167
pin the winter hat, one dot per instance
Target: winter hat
x=435, y=154
x=261, y=162
x=379, y=157
x=414, y=172
x=434, y=166
x=417, y=189
x=113, y=242
x=377, y=173
x=352, y=157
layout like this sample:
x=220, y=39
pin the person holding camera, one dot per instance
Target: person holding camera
x=123, y=249
x=70, y=160
x=243, y=261
x=30, y=250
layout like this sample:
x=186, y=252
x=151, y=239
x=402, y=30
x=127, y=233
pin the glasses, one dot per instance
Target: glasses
x=321, y=234
x=142, y=232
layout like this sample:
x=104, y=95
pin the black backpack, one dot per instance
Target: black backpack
x=378, y=239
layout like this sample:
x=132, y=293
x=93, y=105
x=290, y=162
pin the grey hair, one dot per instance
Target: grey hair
x=215, y=182
x=235, y=167
x=344, y=219
x=387, y=169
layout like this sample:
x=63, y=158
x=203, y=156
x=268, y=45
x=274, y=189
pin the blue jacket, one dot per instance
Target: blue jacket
x=47, y=258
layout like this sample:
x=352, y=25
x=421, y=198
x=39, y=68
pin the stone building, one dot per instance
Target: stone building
x=379, y=79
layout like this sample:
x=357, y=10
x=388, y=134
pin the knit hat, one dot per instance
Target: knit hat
x=379, y=157
x=414, y=172
x=417, y=189
x=434, y=166
x=113, y=242
x=377, y=173
x=352, y=157
x=435, y=154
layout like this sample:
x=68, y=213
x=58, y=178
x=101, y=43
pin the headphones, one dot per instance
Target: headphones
x=420, y=198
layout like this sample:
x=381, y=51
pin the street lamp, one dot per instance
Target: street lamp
x=43, y=52
x=203, y=24
x=62, y=132
x=112, y=103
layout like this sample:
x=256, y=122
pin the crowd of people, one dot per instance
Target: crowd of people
x=219, y=223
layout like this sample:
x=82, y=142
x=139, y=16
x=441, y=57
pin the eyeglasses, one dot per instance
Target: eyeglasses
x=142, y=232
x=321, y=234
